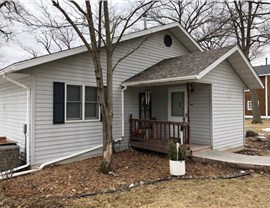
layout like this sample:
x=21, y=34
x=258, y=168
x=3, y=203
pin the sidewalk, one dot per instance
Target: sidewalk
x=234, y=160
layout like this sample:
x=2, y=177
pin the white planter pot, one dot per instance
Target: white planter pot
x=177, y=168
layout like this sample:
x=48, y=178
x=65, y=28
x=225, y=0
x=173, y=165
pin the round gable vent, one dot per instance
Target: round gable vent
x=167, y=40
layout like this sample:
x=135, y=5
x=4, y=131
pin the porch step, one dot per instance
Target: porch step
x=196, y=148
x=152, y=145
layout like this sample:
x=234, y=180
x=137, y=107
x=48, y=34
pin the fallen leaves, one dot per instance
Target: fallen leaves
x=130, y=168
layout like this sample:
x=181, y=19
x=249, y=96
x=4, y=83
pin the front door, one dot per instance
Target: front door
x=177, y=108
x=177, y=104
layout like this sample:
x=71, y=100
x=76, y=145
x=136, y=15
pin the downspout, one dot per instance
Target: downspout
x=43, y=165
x=123, y=110
x=27, y=150
x=266, y=95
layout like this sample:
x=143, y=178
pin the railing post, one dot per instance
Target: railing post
x=130, y=127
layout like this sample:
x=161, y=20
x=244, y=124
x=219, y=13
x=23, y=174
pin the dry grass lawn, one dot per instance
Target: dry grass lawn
x=245, y=192
x=259, y=128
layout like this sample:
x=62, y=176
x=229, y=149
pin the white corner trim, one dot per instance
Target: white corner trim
x=266, y=95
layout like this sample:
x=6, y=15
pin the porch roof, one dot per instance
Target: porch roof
x=196, y=65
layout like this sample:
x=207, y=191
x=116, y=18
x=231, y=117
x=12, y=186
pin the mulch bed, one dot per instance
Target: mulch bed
x=83, y=177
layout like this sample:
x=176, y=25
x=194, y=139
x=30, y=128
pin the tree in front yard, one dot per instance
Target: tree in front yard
x=100, y=29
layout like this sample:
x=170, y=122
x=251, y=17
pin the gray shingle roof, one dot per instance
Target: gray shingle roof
x=182, y=66
x=261, y=70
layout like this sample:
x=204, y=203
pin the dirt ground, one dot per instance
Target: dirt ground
x=54, y=185
x=259, y=128
x=254, y=146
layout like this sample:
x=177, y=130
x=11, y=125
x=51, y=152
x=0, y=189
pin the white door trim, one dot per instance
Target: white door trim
x=177, y=89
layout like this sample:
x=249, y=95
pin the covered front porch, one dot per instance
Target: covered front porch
x=179, y=112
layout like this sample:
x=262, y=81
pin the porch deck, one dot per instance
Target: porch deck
x=155, y=135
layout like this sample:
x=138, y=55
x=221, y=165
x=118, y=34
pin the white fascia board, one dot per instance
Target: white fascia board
x=250, y=67
x=225, y=56
x=147, y=32
x=43, y=59
x=217, y=62
x=52, y=57
x=157, y=81
x=263, y=75
x=190, y=37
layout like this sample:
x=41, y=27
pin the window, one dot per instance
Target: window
x=167, y=40
x=249, y=105
x=91, y=103
x=81, y=103
x=145, y=111
x=74, y=102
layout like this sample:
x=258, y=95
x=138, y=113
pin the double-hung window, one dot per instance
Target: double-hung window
x=81, y=103
x=74, y=102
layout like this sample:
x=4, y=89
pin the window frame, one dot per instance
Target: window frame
x=76, y=102
x=83, y=119
x=249, y=105
x=250, y=102
x=91, y=102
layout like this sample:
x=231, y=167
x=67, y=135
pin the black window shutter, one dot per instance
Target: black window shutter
x=106, y=94
x=58, y=102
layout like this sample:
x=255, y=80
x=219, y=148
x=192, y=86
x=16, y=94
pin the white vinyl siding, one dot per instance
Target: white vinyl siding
x=13, y=111
x=200, y=114
x=227, y=107
x=54, y=141
x=152, y=52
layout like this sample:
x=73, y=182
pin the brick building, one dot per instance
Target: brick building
x=263, y=94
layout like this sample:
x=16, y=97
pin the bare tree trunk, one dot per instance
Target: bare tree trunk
x=105, y=166
x=255, y=107
x=96, y=37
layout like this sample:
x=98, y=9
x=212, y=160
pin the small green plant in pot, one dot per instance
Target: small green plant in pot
x=177, y=156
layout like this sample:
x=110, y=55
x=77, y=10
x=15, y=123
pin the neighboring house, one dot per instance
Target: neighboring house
x=263, y=94
x=167, y=77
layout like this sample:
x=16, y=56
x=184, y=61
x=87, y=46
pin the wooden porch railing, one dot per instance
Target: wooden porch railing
x=158, y=133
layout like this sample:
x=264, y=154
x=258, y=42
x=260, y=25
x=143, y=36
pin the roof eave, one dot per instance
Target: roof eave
x=43, y=59
x=52, y=57
x=257, y=85
x=260, y=84
x=159, y=81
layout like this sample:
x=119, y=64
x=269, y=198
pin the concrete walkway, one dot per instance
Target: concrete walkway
x=233, y=159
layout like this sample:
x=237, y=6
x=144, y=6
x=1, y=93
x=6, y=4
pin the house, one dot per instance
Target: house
x=52, y=99
x=263, y=94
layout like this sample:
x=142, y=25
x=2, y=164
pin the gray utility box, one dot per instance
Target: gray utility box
x=9, y=156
